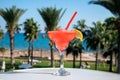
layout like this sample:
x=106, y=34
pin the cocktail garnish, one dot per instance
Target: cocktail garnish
x=79, y=34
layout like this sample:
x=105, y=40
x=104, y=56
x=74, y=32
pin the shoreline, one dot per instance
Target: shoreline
x=41, y=53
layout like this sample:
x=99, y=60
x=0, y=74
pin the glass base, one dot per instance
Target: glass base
x=62, y=72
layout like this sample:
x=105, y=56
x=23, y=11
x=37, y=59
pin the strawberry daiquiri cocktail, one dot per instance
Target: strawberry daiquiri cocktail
x=61, y=38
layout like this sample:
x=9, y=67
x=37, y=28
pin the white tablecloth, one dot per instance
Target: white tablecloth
x=48, y=74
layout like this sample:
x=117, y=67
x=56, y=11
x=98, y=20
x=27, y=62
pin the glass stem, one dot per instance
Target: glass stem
x=61, y=60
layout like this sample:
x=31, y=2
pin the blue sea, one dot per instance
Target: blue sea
x=21, y=44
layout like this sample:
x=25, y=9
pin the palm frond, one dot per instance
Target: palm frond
x=51, y=17
x=11, y=16
x=111, y=5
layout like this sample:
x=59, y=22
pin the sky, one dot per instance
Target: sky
x=89, y=12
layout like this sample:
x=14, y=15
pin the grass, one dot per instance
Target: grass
x=67, y=64
x=42, y=64
x=7, y=61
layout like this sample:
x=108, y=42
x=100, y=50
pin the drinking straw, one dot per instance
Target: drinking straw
x=66, y=28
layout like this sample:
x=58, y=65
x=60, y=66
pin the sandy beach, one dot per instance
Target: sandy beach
x=46, y=55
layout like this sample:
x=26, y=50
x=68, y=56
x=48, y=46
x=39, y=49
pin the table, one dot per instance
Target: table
x=48, y=74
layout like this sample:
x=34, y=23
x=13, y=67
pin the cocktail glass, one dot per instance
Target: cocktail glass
x=61, y=38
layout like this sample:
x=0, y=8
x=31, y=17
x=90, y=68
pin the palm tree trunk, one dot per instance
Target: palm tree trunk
x=11, y=35
x=32, y=53
x=111, y=62
x=73, y=61
x=3, y=56
x=118, y=50
x=52, y=56
x=96, y=62
x=80, y=59
x=115, y=59
x=29, y=53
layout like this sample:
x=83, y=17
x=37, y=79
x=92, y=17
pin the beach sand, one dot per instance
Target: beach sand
x=45, y=54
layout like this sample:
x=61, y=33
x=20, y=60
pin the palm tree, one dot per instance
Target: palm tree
x=81, y=26
x=11, y=16
x=111, y=47
x=111, y=39
x=110, y=23
x=114, y=7
x=51, y=17
x=95, y=39
x=31, y=33
x=109, y=52
x=75, y=47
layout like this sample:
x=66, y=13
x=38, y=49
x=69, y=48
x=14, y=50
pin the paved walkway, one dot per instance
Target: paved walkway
x=47, y=74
